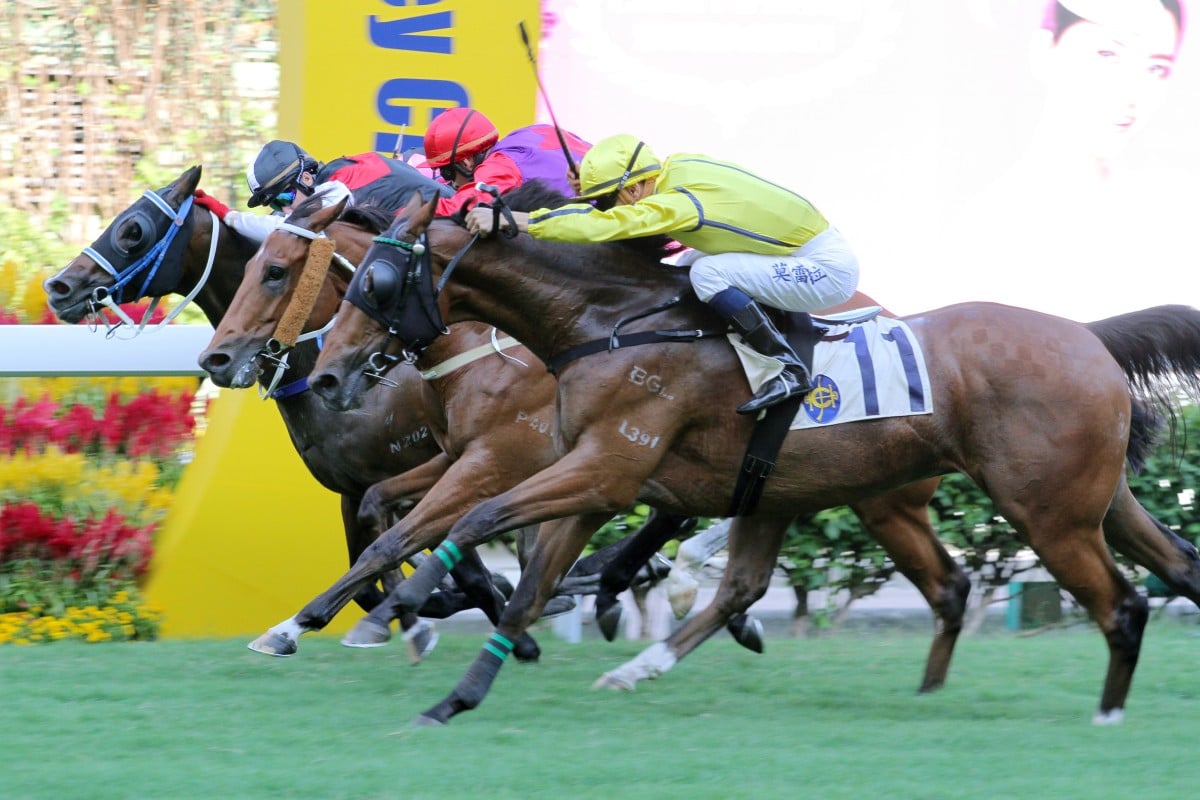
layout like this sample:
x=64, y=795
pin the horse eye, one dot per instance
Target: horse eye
x=275, y=272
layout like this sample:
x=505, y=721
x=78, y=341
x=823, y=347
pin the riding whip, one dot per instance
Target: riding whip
x=545, y=99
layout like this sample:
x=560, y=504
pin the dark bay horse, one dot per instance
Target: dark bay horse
x=492, y=416
x=1033, y=408
x=207, y=259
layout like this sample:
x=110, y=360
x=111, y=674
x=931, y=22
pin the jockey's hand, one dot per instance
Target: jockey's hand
x=480, y=219
x=214, y=205
x=573, y=181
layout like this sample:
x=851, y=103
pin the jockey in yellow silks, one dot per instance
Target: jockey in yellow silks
x=754, y=241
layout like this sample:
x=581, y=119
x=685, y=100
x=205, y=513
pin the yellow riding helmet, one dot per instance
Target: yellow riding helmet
x=614, y=163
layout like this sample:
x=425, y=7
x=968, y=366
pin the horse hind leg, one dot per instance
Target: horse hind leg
x=899, y=521
x=1132, y=531
x=1079, y=560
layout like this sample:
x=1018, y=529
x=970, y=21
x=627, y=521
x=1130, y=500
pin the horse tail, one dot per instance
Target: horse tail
x=1159, y=350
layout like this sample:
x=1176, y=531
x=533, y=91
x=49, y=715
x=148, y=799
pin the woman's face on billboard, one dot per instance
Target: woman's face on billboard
x=1105, y=81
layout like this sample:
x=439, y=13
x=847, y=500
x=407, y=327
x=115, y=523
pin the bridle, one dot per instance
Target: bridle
x=285, y=337
x=146, y=261
x=402, y=297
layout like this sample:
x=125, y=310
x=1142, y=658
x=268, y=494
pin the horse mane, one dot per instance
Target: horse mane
x=372, y=218
x=376, y=219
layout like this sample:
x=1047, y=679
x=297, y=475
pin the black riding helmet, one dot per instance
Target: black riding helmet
x=276, y=169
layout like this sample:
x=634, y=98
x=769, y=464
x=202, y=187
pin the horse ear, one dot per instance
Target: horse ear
x=183, y=186
x=320, y=220
x=420, y=220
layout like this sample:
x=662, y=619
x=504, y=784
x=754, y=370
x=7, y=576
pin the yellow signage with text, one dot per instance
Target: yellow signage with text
x=357, y=74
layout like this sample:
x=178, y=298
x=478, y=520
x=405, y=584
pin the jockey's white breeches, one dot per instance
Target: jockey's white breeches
x=821, y=274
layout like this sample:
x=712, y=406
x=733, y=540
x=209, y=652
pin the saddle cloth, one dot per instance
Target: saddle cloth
x=860, y=371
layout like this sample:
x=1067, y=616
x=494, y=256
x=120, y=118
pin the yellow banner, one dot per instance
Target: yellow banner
x=356, y=73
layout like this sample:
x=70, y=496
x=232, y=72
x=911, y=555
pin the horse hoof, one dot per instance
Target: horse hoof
x=747, y=631
x=366, y=633
x=526, y=650
x=611, y=681
x=1113, y=716
x=557, y=606
x=609, y=621
x=274, y=644
x=422, y=721
x=682, y=596
x=419, y=641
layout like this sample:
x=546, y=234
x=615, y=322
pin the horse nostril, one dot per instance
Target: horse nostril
x=214, y=362
x=323, y=383
x=56, y=288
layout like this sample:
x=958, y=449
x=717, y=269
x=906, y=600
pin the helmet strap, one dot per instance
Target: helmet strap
x=629, y=168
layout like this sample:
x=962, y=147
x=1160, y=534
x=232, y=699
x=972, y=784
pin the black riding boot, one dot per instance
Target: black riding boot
x=758, y=332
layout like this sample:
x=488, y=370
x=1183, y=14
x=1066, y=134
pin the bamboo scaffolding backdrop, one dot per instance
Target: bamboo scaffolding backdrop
x=101, y=100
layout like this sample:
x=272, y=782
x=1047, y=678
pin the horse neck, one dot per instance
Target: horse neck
x=229, y=264
x=552, y=297
x=462, y=337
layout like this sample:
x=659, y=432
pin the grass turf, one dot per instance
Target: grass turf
x=834, y=717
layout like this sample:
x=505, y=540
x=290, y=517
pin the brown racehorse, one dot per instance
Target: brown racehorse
x=1032, y=408
x=493, y=419
x=392, y=435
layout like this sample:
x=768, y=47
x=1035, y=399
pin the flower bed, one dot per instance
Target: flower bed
x=87, y=471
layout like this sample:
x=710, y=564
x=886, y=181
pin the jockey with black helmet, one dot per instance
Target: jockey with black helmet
x=282, y=174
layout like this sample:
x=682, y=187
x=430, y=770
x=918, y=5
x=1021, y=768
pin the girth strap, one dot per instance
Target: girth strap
x=765, y=441
x=616, y=341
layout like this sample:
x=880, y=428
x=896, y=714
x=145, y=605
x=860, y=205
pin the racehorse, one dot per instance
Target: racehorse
x=162, y=245
x=1032, y=408
x=493, y=409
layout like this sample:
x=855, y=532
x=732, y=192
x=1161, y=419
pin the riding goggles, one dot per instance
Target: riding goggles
x=282, y=200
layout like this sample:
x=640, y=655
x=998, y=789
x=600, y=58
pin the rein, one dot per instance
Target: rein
x=616, y=341
x=110, y=297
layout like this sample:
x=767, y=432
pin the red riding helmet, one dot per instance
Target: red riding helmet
x=456, y=134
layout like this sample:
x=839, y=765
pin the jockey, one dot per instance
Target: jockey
x=466, y=147
x=282, y=170
x=754, y=241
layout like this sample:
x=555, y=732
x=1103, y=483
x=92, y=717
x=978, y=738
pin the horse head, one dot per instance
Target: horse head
x=391, y=297
x=157, y=246
x=274, y=278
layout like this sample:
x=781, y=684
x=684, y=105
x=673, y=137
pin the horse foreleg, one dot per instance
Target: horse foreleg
x=559, y=543
x=753, y=547
x=467, y=481
x=357, y=539
x=899, y=521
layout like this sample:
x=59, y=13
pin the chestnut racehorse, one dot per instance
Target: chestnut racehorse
x=1033, y=408
x=493, y=419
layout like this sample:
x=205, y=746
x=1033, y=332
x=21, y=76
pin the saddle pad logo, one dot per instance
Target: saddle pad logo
x=824, y=401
